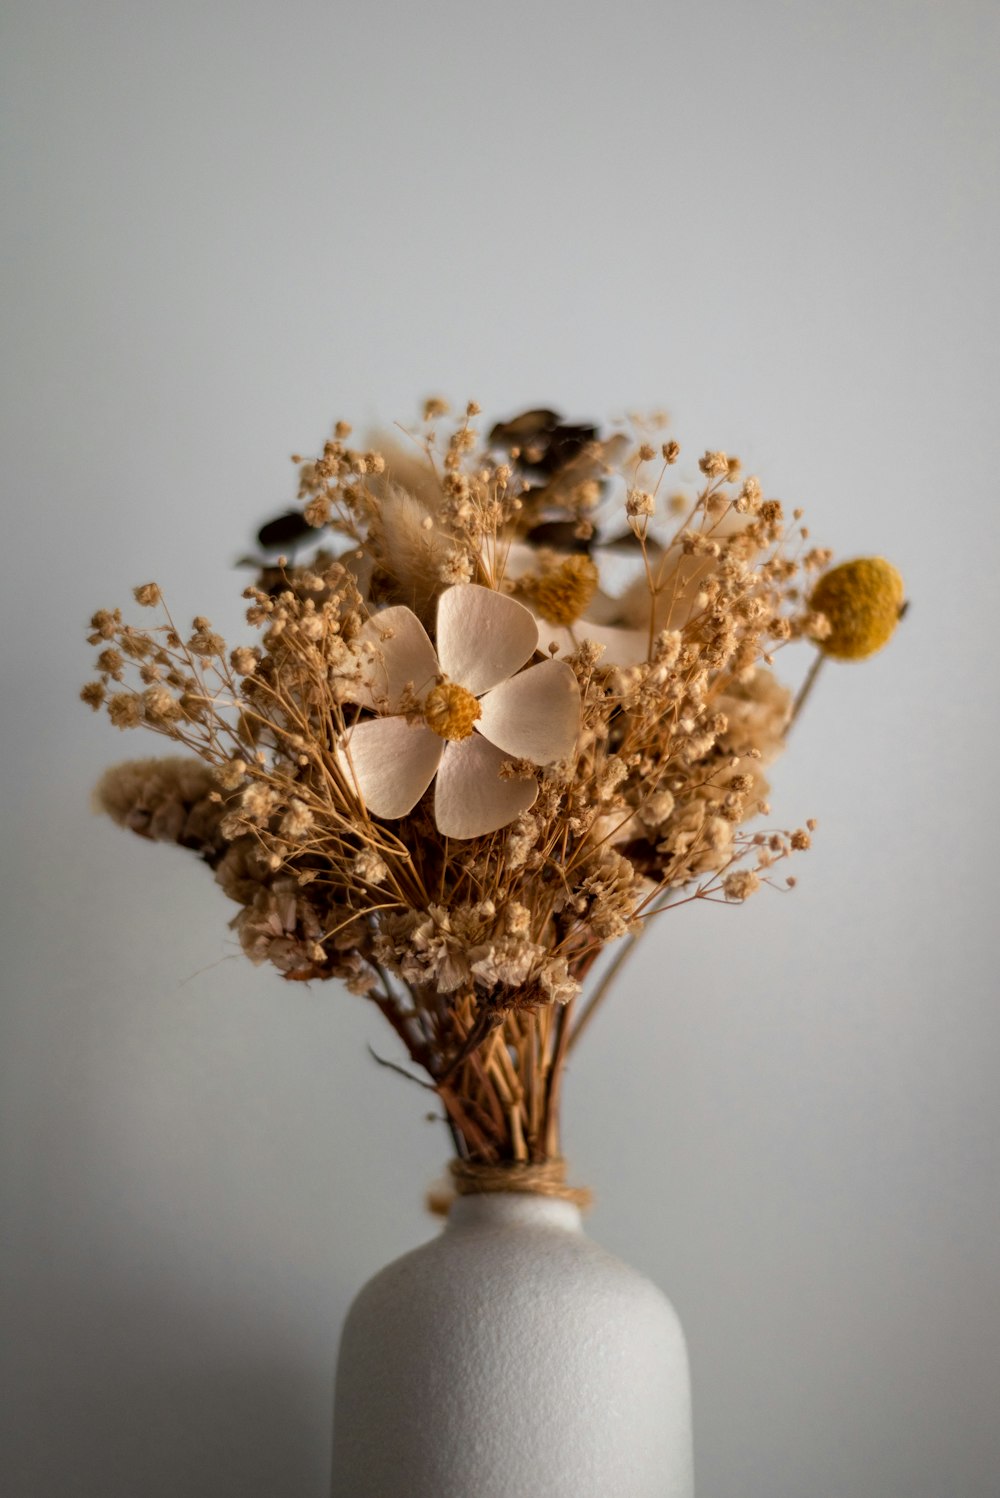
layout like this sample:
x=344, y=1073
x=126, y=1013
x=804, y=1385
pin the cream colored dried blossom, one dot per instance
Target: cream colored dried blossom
x=232, y=773
x=639, y=504
x=740, y=884
x=160, y=706
x=244, y=660
x=505, y=963
x=257, y=803
x=280, y=926
x=203, y=640
x=749, y=498
x=657, y=808
x=517, y=919
x=105, y=625
x=125, y=709
x=370, y=867
x=456, y=567
x=297, y=821
x=556, y=982
x=434, y=954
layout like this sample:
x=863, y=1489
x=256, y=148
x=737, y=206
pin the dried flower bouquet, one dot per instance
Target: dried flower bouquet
x=515, y=696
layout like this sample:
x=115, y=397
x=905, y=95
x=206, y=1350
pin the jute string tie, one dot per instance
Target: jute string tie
x=541, y=1178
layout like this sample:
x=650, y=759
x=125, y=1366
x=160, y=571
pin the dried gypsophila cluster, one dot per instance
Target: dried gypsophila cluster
x=573, y=653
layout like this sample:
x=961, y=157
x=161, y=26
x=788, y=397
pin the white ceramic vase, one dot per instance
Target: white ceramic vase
x=512, y=1357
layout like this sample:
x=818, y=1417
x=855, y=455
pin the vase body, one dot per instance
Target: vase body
x=512, y=1357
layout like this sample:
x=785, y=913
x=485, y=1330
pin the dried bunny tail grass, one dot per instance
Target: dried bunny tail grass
x=409, y=468
x=409, y=548
x=171, y=800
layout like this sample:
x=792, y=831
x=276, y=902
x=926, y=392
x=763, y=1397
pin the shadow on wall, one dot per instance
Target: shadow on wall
x=164, y=1396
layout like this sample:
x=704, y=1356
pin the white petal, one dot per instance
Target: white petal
x=622, y=647
x=482, y=637
x=535, y=715
x=403, y=656
x=391, y=762
x=470, y=799
x=518, y=558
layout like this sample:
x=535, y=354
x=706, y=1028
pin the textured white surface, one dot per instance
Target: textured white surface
x=512, y=1357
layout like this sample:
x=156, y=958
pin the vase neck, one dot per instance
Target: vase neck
x=502, y=1209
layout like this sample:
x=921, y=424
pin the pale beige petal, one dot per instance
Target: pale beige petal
x=391, y=762
x=470, y=799
x=518, y=558
x=622, y=647
x=482, y=637
x=535, y=715
x=403, y=656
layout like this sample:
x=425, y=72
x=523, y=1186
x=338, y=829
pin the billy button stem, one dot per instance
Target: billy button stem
x=862, y=602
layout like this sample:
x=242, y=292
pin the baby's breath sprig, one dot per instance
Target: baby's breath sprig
x=510, y=701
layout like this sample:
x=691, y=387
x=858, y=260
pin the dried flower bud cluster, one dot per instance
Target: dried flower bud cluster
x=513, y=700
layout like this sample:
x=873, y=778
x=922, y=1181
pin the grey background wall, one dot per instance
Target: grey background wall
x=227, y=226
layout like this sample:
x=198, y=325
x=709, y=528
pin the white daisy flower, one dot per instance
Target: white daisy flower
x=478, y=709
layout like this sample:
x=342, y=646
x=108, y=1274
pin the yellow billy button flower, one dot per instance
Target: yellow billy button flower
x=862, y=601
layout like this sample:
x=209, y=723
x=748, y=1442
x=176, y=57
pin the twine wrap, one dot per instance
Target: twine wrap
x=541, y=1178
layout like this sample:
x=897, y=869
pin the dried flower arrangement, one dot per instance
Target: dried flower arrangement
x=517, y=698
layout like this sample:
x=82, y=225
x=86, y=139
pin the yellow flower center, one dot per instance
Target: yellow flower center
x=863, y=601
x=561, y=593
x=451, y=710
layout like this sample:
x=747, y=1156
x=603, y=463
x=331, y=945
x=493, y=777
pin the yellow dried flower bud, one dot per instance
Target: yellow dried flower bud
x=562, y=593
x=451, y=710
x=863, y=601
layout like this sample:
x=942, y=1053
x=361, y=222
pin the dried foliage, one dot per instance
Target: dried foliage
x=516, y=696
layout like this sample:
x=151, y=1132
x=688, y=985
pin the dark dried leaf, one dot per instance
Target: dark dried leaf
x=284, y=530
